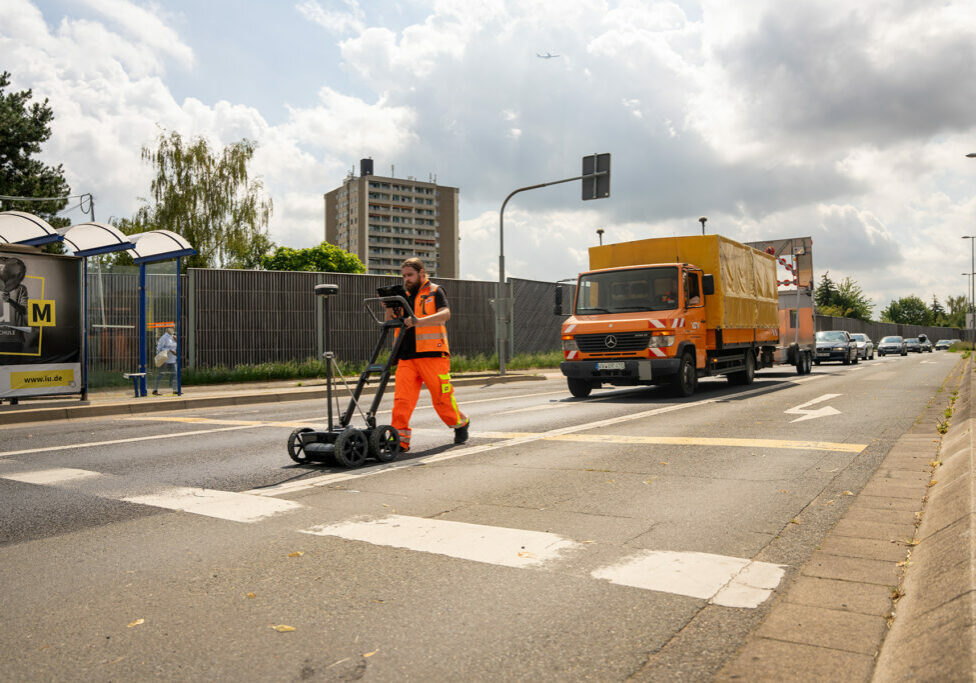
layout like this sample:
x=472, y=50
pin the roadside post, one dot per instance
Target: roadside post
x=596, y=185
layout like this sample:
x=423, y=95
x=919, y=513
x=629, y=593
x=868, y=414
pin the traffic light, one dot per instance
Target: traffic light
x=596, y=176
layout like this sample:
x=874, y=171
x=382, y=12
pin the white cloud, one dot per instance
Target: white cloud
x=144, y=27
x=336, y=21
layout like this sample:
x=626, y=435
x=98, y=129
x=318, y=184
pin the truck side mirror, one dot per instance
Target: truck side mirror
x=557, y=308
x=708, y=284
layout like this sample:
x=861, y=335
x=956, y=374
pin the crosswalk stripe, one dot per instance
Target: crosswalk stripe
x=55, y=475
x=726, y=581
x=476, y=542
x=236, y=507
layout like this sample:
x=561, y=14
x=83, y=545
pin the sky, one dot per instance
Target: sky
x=847, y=122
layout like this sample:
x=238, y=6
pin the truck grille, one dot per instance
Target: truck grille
x=620, y=341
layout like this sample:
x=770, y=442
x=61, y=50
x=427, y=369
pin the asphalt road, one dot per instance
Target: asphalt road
x=628, y=535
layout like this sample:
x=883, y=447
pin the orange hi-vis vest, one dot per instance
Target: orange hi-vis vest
x=430, y=338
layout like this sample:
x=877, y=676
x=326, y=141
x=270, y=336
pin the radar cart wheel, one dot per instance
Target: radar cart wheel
x=296, y=450
x=384, y=443
x=351, y=448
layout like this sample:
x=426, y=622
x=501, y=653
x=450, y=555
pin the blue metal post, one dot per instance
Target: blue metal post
x=142, y=329
x=84, y=331
x=179, y=334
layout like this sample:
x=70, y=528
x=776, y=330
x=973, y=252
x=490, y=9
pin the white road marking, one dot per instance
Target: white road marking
x=336, y=477
x=726, y=581
x=814, y=412
x=134, y=439
x=544, y=406
x=236, y=507
x=52, y=476
x=488, y=544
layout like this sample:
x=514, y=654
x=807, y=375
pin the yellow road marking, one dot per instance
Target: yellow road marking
x=688, y=441
x=590, y=438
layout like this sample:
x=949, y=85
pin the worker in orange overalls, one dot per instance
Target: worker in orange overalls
x=424, y=356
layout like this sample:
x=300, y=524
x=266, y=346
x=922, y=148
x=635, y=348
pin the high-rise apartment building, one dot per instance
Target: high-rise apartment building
x=386, y=220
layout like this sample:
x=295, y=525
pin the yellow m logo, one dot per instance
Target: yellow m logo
x=40, y=312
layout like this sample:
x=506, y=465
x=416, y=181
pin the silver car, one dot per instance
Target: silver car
x=865, y=347
x=892, y=344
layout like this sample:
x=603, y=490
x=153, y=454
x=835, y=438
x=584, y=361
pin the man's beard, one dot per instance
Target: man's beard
x=412, y=289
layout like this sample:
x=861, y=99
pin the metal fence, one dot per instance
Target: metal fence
x=234, y=317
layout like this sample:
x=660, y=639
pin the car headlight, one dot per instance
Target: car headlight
x=660, y=339
x=840, y=348
x=569, y=344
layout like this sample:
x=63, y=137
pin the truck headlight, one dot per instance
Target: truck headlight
x=569, y=344
x=658, y=340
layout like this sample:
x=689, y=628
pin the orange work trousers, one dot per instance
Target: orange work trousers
x=435, y=373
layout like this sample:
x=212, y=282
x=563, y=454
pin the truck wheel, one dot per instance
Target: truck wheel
x=684, y=382
x=803, y=364
x=745, y=376
x=580, y=388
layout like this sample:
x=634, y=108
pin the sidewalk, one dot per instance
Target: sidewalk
x=120, y=401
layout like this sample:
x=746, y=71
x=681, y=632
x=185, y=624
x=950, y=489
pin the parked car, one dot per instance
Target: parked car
x=835, y=345
x=943, y=344
x=913, y=344
x=865, y=347
x=893, y=344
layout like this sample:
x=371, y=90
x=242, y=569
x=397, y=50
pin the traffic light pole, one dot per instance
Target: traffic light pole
x=503, y=304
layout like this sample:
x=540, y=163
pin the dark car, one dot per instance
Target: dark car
x=865, y=347
x=913, y=344
x=835, y=345
x=893, y=344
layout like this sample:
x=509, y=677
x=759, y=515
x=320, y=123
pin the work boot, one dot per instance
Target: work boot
x=461, y=433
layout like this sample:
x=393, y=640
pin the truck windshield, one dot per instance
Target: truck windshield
x=622, y=291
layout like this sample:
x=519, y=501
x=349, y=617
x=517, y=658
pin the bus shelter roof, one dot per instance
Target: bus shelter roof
x=159, y=245
x=91, y=239
x=19, y=227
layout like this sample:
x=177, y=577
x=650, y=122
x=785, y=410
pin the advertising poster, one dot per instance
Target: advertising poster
x=40, y=323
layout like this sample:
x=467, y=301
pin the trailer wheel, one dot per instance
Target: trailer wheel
x=295, y=449
x=351, y=448
x=580, y=388
x=384, y=443
x=745, y=376
x=684, y=382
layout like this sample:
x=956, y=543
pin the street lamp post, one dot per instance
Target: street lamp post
x=599, y=232
x=972, y=269
x=703, y=220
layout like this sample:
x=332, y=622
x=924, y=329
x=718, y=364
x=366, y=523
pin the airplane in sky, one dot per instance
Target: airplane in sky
x=548, y=55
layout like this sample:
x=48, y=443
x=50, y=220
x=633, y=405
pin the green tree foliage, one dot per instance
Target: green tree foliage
x=23, y=127
x=324, y=258
x=206, y=196
x=956, y=311
x=939, y=316
x=908, y=310
x=823, y=294
x=845, y=300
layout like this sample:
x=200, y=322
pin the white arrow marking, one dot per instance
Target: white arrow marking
x=817, y=412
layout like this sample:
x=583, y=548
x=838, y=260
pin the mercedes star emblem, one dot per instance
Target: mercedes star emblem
x=610, y=341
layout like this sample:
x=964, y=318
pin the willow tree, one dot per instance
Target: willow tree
x=205, y=195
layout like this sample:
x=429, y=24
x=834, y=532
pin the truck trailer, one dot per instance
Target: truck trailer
x=671, y=310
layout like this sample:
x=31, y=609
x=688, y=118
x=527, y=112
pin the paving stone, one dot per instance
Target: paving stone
x=835, y=629
x=880, y=515
x=864, y=529
x=903, y=475
x=826, y=566
x=771, y=660
x=899, y=490
x=887, y=503
x=946, y=505
x=851, y=596
x=867, y=548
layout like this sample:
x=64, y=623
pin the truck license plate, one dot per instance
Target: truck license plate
x=610, y=366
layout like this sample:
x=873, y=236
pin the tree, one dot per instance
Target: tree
x=23, y=127
x=958, y=306
x=205, y=195
x=325, y=258
x=824, y=293
x=846, y=300
x=939, y=316
x=908, y=310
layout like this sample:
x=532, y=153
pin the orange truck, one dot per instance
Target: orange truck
x=670, y=310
